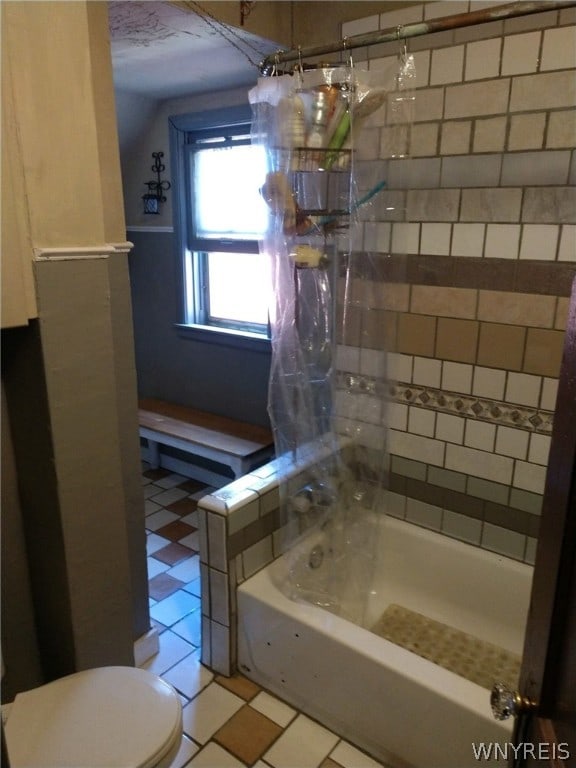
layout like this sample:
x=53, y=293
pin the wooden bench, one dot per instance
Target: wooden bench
x=235, y=444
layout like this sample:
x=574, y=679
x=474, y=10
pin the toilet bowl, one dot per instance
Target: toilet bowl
x=111, y=717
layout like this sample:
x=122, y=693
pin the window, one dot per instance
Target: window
x=226, y=283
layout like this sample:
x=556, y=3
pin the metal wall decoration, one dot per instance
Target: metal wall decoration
x=245, y=9
x=157, y=187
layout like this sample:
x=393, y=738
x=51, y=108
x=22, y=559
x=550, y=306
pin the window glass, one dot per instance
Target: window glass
x=226, y=278
x=229, y=275
x=227, y=201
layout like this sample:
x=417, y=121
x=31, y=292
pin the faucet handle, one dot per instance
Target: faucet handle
x=313, y=495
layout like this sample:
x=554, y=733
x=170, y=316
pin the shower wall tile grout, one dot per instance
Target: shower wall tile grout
x=471, y=277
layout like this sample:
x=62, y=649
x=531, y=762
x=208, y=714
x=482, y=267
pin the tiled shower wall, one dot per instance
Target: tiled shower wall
x=471, y=299
x=472, y=286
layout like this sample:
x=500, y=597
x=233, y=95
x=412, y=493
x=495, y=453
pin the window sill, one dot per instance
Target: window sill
x=224, y=337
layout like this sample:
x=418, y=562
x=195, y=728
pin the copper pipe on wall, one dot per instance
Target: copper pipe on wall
x=269, y=64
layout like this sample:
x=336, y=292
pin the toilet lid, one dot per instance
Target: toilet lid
x=112, y=717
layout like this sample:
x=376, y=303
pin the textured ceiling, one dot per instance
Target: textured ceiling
x=163, y=51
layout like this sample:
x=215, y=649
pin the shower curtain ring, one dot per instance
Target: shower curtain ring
x=400, y=37
x=300, y=69
x=345, y=48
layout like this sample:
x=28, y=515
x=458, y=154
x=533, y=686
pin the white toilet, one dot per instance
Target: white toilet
x=112, y=717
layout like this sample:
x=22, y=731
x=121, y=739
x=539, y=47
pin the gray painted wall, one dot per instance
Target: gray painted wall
x=70, y=389
x=220, y=379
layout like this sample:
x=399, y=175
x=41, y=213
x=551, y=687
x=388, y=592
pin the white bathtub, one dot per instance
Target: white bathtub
x=403, y=709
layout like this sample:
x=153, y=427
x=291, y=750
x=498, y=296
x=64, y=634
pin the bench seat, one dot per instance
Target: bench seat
x=235, y=444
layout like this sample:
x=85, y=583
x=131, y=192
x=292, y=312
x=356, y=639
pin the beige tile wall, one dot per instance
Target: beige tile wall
x=473, y=290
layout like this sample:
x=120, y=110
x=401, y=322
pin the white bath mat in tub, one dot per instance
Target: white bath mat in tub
x=476, y=660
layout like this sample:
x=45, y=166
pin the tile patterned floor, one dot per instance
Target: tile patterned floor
x=228, y=722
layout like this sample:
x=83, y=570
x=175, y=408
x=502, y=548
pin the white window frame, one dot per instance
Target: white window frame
x=185, y=131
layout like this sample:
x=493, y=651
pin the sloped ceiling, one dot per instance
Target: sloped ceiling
x=161, y=50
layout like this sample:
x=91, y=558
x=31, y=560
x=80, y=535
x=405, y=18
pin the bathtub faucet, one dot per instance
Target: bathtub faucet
x=312, y=496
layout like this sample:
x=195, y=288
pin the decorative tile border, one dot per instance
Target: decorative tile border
x=520, y=417
x=494, y=411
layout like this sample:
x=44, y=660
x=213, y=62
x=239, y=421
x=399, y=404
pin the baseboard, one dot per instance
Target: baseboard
x=146, y=646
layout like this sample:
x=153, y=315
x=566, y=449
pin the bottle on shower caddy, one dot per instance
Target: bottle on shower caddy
x=292, y=127
x=327, y=109
x=291, y=122
x=308, y=257
x=321, y=109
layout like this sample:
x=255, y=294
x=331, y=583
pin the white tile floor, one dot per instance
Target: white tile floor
x=211, y=702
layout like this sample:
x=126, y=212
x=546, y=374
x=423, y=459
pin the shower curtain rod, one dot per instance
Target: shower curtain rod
x=270, y=63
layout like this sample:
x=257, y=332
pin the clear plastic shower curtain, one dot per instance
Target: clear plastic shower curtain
x=329, y=425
